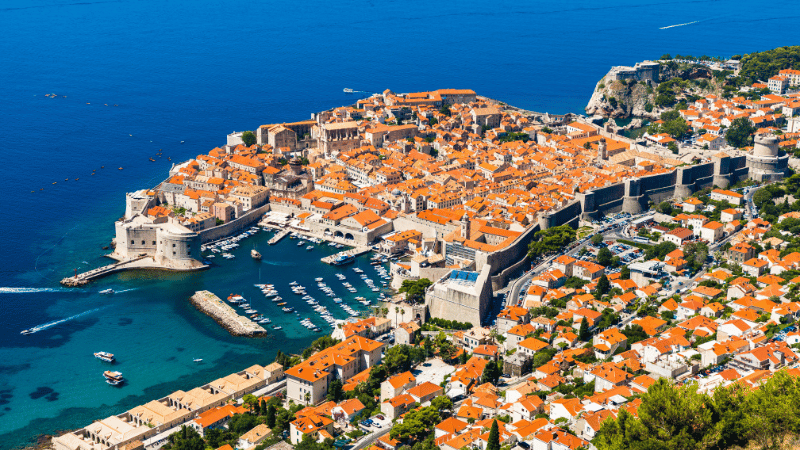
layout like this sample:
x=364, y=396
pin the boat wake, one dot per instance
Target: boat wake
x=273, y=263
x=24, y=290
x=679, y=25
x=125, y=290
x=45, y=326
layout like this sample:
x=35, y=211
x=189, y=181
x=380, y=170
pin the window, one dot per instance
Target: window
x=173, y=245
x=142, y=241
x=154, y=242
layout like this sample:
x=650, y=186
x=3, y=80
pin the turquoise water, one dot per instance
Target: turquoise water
x=194, y=71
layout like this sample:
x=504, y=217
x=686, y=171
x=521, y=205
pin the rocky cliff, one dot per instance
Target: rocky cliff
x=621, y=99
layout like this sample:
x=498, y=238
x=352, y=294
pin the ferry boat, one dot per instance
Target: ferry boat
x=113, y=378
x=254, y=253
x=107, y=291
x=342, y=260
x=105, y=356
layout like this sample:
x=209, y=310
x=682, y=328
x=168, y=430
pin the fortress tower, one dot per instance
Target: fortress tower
x=765, y=162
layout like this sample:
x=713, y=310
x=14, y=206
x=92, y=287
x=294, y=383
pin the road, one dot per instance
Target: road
x=513, y=294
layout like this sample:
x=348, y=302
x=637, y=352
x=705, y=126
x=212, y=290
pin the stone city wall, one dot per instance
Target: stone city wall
x=234, y=226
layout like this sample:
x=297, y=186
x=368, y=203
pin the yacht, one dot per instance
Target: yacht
x=105, y=356
x=277, y=327
x=310, y=247
x=113, y=378
x=107, y=291
x=197, y=359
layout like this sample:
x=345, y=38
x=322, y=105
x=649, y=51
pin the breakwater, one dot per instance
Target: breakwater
x=222, y=313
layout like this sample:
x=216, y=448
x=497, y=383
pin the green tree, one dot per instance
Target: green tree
x=185, y=439
x=625, y=273
x=583, y=333
x=250, y=401
x=335, y=391
x=248, y=138
x=442, y=403
x=604, y=256
x=603, y=286
x=597, y=238
x=634, y=333
x=665, y=208
x=493, y=442
x=271, y=416
x=415, y=290
x=398, y=359
x=550, y=240
x=740, y=133
x=491, y=373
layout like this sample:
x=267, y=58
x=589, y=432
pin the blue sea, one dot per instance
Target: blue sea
x=133, y=77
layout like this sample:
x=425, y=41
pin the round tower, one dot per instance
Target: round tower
x=765, y=162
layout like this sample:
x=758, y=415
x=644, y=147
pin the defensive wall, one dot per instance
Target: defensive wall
x=634, y=194
x=234, y=226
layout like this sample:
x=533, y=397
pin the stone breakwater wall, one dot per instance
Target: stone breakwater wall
x=222, y=313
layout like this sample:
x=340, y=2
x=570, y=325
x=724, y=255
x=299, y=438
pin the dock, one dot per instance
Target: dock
x=225, y=315
x=351, y=252
x=83, y=278
x=275, y=239
x=141, y=262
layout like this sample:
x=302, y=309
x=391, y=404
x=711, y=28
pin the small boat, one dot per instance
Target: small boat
x=197, y=360
x=277, y=327
x=107, y=291
x=348, y=91
x=254, y=253
x=113, y=378
x=310, y=247
x=105, y=356
x=28, y=331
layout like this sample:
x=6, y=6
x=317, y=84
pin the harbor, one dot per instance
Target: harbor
x=225, y=315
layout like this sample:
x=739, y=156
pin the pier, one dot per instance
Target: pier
x=277, y=238
x=222, y=313
x=143, y=262
x=351, y=252
x=83, y=278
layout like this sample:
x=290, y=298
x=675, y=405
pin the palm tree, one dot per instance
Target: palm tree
x=396, y=310
x=307, y=397
x=403, y=312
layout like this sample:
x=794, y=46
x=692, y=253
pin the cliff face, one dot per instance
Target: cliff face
x=621, y=99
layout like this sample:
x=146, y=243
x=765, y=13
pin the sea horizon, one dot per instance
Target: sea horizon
x=134, y=78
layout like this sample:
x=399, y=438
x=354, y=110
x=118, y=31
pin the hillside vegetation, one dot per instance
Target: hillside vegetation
x=679, y=418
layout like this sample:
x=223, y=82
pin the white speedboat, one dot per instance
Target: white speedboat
x=197, y=360
x=107, y=291
x=105, y=356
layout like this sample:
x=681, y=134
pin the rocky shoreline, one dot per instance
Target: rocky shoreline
x=222, y=313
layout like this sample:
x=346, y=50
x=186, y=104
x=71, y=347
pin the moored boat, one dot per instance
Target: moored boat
x=255, y=254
